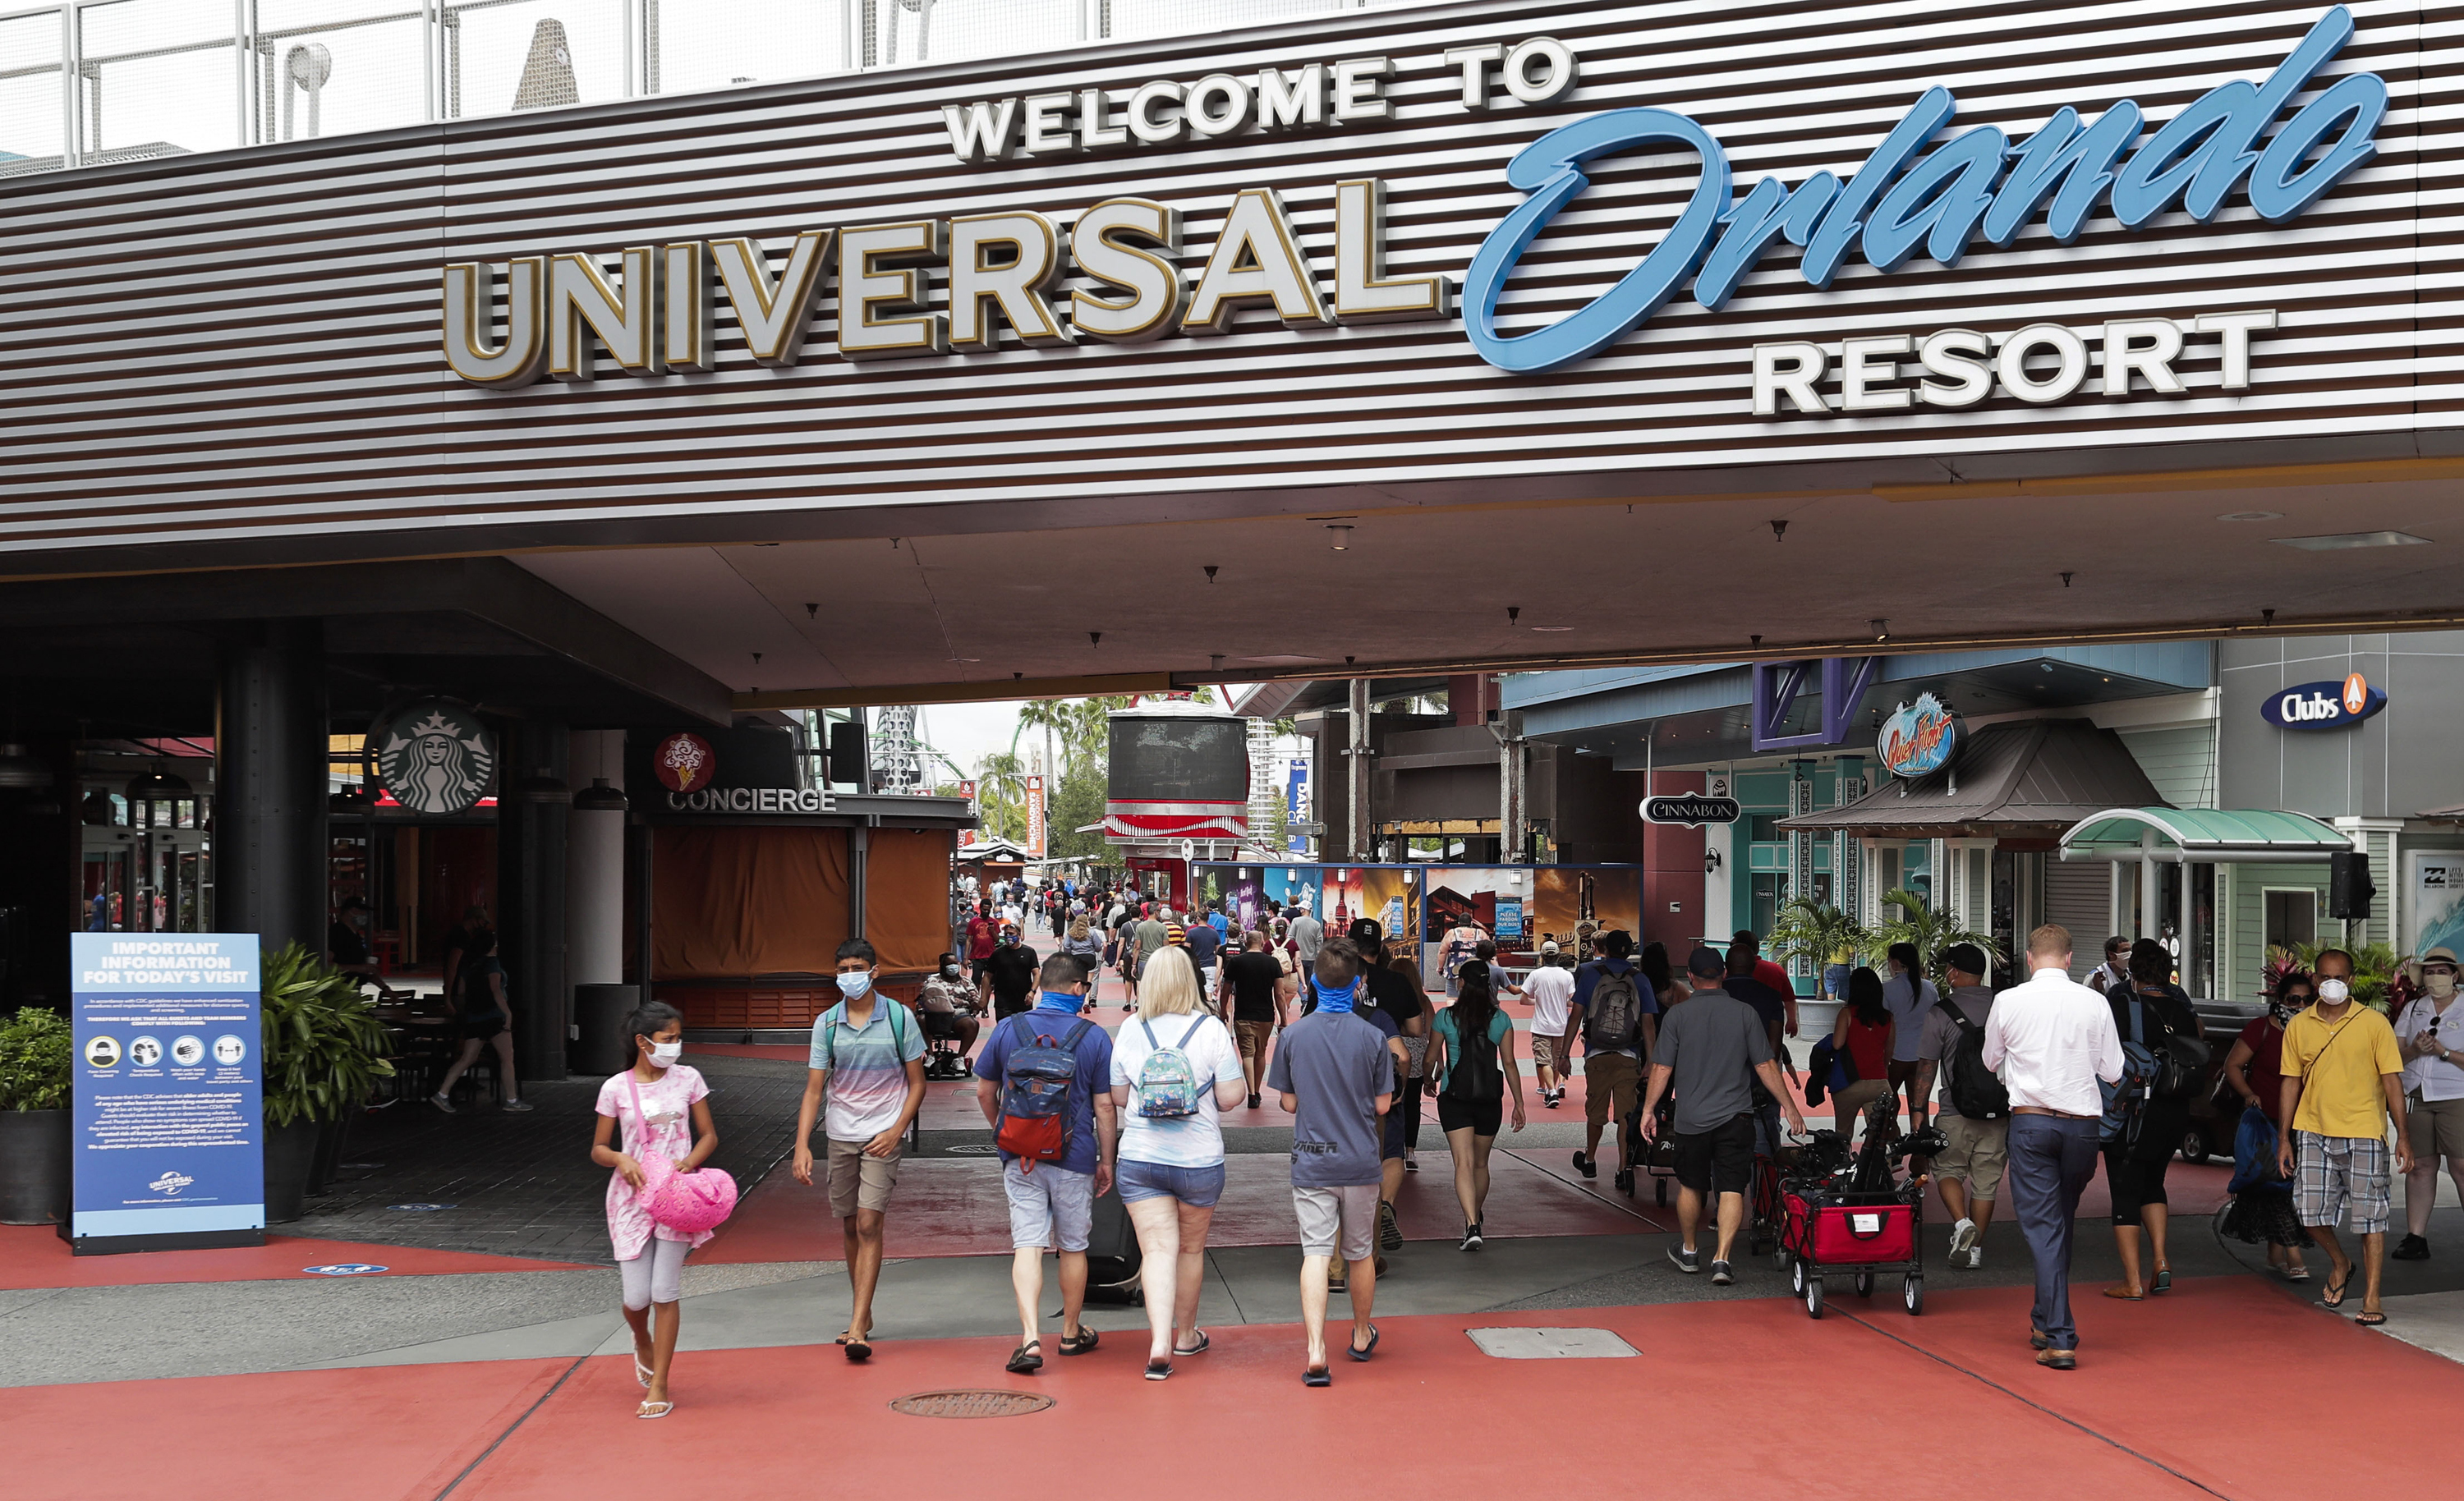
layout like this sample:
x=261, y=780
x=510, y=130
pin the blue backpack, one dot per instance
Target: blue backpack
x=1167, y=1081
x=1036, y=1080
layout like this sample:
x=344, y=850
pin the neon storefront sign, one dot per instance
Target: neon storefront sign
x=1978, y=185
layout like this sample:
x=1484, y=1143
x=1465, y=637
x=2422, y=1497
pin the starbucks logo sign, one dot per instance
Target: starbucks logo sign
x=434, y=756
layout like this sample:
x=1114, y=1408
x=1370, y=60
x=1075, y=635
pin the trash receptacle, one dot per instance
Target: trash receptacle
x=599, y=1011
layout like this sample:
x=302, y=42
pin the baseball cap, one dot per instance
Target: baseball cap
x=1707, y=963
x=1966, y=958
x=1548, y=947
x=1365, y=931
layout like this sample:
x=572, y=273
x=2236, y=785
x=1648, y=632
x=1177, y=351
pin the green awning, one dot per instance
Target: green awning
x=2204, y=834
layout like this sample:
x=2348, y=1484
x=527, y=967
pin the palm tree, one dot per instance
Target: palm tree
x=1930, y=928
x=1047, y=714
x=1810, y=930
x=1000, y=782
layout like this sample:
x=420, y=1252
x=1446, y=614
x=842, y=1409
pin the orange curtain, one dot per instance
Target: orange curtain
x=736, y=901
x=907, y=894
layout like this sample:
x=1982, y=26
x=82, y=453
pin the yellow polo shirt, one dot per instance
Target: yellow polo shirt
x=2341, y=1090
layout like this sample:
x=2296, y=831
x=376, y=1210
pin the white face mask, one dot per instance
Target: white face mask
x=2441, y=986
x=2333, y=990
x=855, y=983
x=663, y=1053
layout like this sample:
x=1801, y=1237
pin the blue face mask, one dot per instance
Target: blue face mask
x=1060, y=1000
x=855, y=983
x=1337, y=1001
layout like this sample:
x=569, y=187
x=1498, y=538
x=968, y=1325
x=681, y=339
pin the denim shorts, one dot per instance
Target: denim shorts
x=1199, y=1187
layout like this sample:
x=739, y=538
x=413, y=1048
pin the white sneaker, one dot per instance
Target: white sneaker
x=1975, y=1257
x=1963, y=1236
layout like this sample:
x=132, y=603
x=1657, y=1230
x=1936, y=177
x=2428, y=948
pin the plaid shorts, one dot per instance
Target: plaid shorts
x=2334, y=1173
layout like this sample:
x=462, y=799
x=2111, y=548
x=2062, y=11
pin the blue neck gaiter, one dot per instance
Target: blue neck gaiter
x=1059, y=1001
x=1337, y=1001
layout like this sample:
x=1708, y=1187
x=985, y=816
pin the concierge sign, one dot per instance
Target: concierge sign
x=169, y=1120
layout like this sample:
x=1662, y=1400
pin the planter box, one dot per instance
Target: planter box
x=35, y=1157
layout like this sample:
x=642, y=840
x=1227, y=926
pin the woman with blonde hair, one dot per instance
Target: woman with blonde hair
x=1174, y=1068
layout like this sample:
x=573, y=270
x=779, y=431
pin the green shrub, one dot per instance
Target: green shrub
x=324, y=1048
x=34, y=1050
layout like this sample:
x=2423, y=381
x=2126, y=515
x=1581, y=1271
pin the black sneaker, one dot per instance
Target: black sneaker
x=2412, y=1247
x=1720, y=1276
x=1586, y=1166
x=1390, y=1235
x=1253, y=1101
x=1471, y=1238
x=1689, y=1262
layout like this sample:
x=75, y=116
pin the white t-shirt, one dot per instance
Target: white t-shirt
x=1179, y=1140
x=1551, y=989
x=2429, y=1076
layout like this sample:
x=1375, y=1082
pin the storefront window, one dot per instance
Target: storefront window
x=2292, y=917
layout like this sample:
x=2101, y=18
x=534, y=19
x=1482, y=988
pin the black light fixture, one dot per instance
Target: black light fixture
x=155, y=799
x=600, y=797
x=22, y=771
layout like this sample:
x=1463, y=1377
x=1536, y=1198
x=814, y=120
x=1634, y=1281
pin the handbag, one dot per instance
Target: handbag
x=686, y=1202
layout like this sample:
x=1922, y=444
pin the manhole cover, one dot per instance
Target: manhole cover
x=1553, y=1344
x=972, y=1149
x=971, y=1405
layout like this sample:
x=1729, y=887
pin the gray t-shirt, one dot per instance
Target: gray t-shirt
x=1338, y=1064
x=1941, y=1036
x=1908, y=1002
x=1309, y=936
x=1712, y=1043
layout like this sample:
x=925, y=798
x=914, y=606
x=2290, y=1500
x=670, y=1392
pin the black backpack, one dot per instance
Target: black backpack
x=1613, y=1017
x=2181, y=1058
x=1976, y=1091
x=1473, y=1074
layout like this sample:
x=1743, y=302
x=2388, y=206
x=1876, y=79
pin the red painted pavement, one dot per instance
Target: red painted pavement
x=393, y=1433
x=800, y=1421
x=34, y=1255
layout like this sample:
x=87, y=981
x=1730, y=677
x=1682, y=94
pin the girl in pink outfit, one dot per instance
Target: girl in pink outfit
x=658, y=1106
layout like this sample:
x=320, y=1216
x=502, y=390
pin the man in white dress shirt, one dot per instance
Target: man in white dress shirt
x=2051, y=1039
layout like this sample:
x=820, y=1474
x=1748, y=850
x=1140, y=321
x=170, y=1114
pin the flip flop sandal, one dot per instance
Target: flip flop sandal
x=1201, y=1348
x=2369, y=1321
x=641, y=1373
x=2333, y=1295
x=664, y=1408
x=2296, y=1274
x=1317, y=1375
x=1024, y=1361
x=1360, y=1354
x=1158, y=1370
x=2164, y=1282
x=2125, y=1294
x=1084, y=1343
x=858, y=1352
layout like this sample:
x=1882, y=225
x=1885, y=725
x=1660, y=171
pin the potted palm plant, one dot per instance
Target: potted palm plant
x=324, y=1053
x=34, y=1155
x=1931, y=929
x=1822, y=935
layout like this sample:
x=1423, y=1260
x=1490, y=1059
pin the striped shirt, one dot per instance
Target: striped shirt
x=868, y=1068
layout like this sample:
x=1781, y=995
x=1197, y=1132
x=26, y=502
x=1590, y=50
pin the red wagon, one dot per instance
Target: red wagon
x=1863, y=1234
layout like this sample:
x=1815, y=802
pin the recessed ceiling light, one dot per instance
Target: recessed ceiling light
x=966, y=659
x=1280, y=662
x=1342, y=536
x=2252, y=515
x=2344, y=539
x=1552, y=628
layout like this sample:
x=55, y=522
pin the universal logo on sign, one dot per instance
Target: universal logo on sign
x=2324, y=706
x=169, y=1185
x=656, y=313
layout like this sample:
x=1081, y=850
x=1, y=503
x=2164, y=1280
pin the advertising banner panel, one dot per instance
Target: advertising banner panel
x=167, y=1095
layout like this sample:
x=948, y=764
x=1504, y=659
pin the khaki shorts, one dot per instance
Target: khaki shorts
x=858, y=1181
x=2437, y=1127
x=1551, y=1052
x=1337, y=1220
x=1608, y=1077
x=1253, y=1037
x=1978, y=1152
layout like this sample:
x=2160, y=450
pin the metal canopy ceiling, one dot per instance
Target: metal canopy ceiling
x=2262, y=835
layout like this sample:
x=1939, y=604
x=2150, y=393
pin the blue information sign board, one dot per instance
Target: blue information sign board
x=168, y=1101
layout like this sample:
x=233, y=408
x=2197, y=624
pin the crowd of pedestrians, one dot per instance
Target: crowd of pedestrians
x=2031, y=1088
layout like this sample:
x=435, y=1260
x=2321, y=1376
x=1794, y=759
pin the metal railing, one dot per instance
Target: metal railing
x=84, y=82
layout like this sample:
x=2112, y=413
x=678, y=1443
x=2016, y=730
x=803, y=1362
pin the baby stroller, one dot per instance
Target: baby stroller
x=1657, y=1157
x=1861, y=1216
